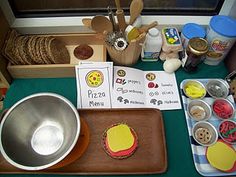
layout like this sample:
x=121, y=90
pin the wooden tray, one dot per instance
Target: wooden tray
x=150, y=157
x=62, y=70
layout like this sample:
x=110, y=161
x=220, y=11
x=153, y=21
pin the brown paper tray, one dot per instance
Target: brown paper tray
x=150, y=157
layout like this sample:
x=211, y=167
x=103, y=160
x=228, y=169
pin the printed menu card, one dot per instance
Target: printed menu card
x=100, y=85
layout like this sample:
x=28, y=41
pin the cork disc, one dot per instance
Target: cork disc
x=42, y=50
x=9, y=46
x=83, y=52
x=47, y=47
x=16, y=50
x=30, y=48
x=58, y=52
x=38, y=48
x=23, y=51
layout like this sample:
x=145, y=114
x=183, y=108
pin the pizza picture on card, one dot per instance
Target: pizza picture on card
x=94, y=78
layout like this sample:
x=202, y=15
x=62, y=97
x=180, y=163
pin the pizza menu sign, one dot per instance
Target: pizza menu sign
x=100, y=85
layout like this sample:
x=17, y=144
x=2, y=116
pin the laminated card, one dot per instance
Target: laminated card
x=100, y=85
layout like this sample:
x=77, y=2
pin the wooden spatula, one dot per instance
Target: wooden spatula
x=136, y=8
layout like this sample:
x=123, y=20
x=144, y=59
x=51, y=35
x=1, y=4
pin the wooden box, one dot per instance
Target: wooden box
x=62, y=70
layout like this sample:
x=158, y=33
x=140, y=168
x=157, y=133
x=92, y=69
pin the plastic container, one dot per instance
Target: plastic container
x=221, y=37
x=152, y=45
x=191, y=30
x=171, y=40
x=131, y=33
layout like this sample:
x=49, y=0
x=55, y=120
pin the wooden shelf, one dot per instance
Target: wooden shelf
x=62, y=70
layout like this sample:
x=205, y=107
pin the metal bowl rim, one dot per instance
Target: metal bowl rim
x=24, y=167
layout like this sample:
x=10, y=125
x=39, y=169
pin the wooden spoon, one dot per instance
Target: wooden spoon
x=87, y=22
x=145, y=28
x=136, y=8
x=100, y=24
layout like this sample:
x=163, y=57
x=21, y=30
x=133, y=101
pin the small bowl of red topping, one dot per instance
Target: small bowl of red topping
x=227, y=131
x=223, y=109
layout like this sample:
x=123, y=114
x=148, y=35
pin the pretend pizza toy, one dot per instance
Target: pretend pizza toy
x=120, y=141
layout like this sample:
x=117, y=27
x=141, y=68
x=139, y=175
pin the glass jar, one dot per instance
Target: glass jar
x=196, y=51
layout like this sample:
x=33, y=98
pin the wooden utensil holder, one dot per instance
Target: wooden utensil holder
x=130, y=55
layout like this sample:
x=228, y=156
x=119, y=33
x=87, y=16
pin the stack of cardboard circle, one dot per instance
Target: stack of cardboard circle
x=34, y=49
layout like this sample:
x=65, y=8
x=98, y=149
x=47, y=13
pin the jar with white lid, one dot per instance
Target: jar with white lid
x=152, y=45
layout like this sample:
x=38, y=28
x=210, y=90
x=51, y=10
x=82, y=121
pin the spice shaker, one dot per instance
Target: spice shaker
x=196, y=51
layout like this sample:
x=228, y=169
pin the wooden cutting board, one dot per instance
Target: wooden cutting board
x=150, y=157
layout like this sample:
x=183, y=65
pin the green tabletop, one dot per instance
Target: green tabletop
x=180, y=161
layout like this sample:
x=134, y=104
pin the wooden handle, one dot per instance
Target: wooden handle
x=87, y=22
x=118, y=4
x=121, y=20
x=145, y=28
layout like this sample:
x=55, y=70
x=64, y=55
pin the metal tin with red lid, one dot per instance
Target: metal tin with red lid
x=223, y=109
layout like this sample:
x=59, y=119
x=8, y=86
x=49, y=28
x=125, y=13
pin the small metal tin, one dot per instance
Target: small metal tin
x=204, y=133
x=199, y=110
x=223, y=108
x=194, y=89
x=217, y=88
x=227, y=131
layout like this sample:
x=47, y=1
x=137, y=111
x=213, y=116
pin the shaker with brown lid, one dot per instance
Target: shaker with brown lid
x=196, y=51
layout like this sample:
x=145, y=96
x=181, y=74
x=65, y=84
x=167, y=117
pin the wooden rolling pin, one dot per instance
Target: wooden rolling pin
x=120, y=16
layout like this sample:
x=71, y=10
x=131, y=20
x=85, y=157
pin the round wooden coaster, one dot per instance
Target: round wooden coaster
x=80, y=147
x=58, y=52
x=83, y=52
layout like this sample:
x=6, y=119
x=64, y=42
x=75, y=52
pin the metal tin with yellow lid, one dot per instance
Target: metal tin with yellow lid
x=196, y=51
x=198, y=46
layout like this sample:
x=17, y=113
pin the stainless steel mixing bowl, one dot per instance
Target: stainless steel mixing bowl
x=39, y=131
